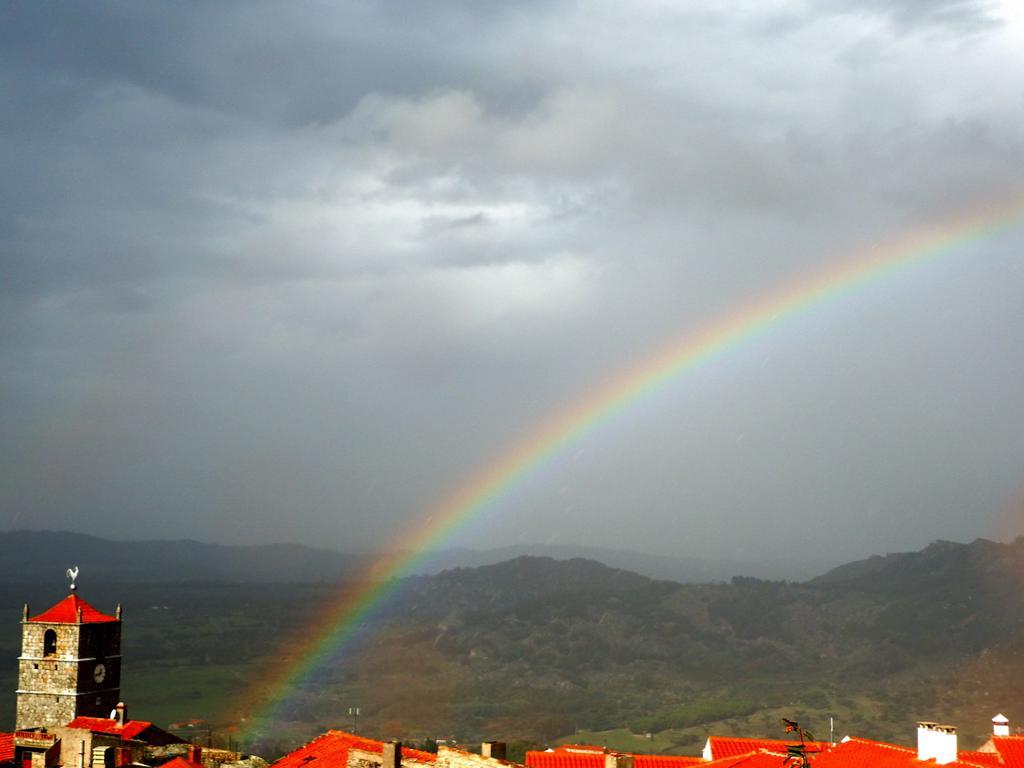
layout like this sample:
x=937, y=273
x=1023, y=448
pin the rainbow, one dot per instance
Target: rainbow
x=339, y=622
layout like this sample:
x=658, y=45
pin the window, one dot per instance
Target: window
x=49, y=643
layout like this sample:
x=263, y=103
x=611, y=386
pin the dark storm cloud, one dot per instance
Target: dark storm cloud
x=293, y=271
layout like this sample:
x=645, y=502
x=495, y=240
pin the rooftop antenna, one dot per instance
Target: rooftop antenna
x=72, y=573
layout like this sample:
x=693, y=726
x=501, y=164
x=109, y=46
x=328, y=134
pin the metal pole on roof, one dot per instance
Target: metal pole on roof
x=354, y=713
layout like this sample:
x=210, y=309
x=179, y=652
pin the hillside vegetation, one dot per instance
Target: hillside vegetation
x=537, y=649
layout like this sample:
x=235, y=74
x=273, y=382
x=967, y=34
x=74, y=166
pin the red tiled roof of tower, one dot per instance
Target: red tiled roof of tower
x=726, y=746
x=129, y=730
x=1011, y=749
x=66, y=612
x=331, y=751
x=6, y=747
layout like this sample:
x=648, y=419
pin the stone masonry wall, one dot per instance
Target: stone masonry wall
x=47, y=685
x=457, y=758
x=32, y=640
x=44, y=709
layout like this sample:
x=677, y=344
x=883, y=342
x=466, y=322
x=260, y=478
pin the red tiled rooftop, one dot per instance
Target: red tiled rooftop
x=565, y=758
x=129, y=730
x=181, y=762
x=66, y=612
x=759, y=759
x=727, y=746
x=865, y=753
x=585, y=756
x=981, y=758
x=331, y=751
x=665, y=761
x=1011, y=749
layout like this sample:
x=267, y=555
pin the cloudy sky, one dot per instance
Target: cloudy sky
x=294, y=271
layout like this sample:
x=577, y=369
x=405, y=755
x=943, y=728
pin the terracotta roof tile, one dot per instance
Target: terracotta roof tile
x=180, y=762
x=726, y=746
x=331, y=751
x=865, y=753
x=6, y=747
x=981, y=758
x=665, y=761
x=1010, y=749
x=129, y=730
x=66, y=612
x=585, y=756
x=565, y=758
x=758, y=759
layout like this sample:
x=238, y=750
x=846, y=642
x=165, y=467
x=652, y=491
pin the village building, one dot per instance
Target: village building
x=68, y=703
x=584, y=756
x=70, y=664
x=936, y=746
x=338, y=749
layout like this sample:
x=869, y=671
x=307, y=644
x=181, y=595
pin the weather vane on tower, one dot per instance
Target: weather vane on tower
x=73, y=574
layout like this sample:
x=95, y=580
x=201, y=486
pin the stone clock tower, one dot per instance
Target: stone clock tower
x=70, y=664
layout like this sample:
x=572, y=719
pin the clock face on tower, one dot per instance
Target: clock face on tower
x=99, y=673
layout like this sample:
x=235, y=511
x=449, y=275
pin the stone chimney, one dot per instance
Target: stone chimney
x=618, y=760
x=121, y=713
x=494, y=749
x=195, y=754
x=1000, y=726
x=936, y=742
x=391, y=756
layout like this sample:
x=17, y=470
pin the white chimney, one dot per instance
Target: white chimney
x=1000, y=726
x=936, y=742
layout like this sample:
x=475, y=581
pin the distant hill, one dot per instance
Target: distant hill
x=686, y=570
x=941, y=564
x=540, y=648
x=33, y=555
x=935, y=634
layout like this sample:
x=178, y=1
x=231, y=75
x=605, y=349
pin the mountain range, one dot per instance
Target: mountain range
x=541, y=649
x=34, y=555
